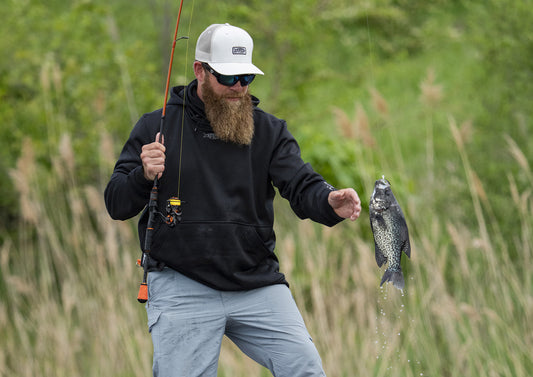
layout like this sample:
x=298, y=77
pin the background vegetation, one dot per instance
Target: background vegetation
x=433, y=95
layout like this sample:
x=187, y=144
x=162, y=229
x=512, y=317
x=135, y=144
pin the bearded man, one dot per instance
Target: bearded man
x=214, y=272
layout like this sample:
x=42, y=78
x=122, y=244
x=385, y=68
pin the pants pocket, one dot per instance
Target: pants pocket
x=153, y=317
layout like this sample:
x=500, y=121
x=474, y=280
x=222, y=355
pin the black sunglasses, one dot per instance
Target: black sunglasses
x=229, y=80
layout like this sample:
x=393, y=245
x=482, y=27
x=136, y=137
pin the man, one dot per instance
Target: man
x=217, y=272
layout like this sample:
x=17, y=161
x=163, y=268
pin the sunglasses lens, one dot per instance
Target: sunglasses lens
x=230, y=80
x=227, y=80
x=247, y=79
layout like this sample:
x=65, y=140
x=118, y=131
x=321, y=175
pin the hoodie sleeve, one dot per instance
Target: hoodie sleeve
x=127, y=192
x=305, y=189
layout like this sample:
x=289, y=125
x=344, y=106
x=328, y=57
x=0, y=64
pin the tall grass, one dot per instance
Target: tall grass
x=68, y=300
x=68, y=289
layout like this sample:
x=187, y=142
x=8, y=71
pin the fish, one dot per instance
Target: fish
x=391, y=236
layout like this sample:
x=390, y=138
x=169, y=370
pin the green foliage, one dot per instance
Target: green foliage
x=433, y=95
x=67, y=71
x=501, y=34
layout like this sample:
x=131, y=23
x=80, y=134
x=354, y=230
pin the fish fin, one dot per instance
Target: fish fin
x=407, y=247
x=396, y=277
x=380, y=257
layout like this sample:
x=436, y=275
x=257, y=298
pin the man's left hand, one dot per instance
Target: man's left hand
x=345, y=203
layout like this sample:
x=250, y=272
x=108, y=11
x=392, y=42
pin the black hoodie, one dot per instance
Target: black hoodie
x=225, y=238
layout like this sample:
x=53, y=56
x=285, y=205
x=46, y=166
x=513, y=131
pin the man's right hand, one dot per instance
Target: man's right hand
x=153, y=158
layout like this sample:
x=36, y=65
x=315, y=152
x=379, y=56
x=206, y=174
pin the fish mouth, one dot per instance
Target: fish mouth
x=379, y=205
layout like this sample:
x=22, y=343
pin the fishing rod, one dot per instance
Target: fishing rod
x=173, y=204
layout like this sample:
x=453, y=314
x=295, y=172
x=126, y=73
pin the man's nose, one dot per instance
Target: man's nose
x=238, y=87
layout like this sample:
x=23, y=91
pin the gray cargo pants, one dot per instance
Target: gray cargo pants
x=187, y=321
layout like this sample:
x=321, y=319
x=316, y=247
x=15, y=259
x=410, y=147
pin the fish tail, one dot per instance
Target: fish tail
x=396, y=277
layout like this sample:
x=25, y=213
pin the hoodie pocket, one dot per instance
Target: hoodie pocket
x=236, y=246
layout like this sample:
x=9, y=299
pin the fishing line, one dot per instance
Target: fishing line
x=371, y=51
x=184, y=100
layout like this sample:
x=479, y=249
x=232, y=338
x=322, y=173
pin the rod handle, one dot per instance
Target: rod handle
x=142, y=297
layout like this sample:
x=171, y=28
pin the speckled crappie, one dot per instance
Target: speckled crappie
x=391, y=235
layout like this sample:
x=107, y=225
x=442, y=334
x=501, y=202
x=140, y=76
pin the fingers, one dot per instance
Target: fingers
x=153, y=159
x=356, y=210
x=160, y=138
x=356, y=204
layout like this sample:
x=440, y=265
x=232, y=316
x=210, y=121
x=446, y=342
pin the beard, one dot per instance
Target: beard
x=232, y=121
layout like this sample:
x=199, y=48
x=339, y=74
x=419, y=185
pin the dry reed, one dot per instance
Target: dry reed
x=68, y=304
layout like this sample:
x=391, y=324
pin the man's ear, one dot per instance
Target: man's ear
x=199, y=71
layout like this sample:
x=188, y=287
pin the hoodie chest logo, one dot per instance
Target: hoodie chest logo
x=210, y=136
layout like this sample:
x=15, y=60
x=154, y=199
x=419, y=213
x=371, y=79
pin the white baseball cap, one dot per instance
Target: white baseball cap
x=227, y=49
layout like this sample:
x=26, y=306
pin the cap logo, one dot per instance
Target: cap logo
x=238, y=50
